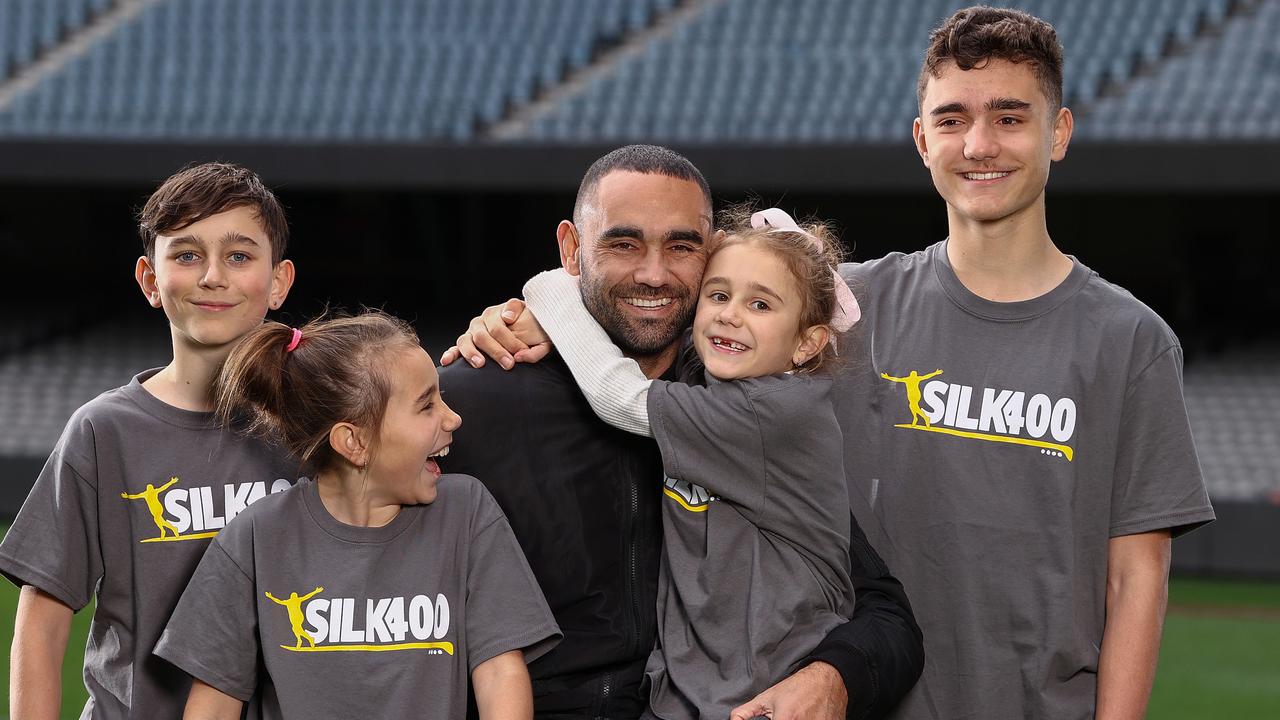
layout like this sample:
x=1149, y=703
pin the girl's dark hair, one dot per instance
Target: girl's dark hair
x=337, y=373
x=811, y=263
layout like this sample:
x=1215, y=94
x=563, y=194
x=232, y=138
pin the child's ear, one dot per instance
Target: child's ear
x=922, y=143
x=145, y=273
x=281, y=280
x=812, y=341
x=570, y=247
x=350, y=442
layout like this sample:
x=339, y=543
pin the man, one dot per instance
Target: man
x=583, y=497
x=1028, y=495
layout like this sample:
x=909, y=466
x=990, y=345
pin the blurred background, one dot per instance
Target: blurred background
x=426, y=149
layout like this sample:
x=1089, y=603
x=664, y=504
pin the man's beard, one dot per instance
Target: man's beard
x=636, y=337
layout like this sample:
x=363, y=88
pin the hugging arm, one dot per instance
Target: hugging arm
x=872, y=661
x=880, y=651
x=614, y=384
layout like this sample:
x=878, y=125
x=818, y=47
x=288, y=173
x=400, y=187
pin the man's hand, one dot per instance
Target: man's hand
x=815, y=692
x=508, y=333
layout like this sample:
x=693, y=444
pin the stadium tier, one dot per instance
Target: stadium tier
x=29, y=27
x=300, y=70
x=698, y=71
x=1232, y=400
x=835, y=70
x=42, y=385
x=1227, y=90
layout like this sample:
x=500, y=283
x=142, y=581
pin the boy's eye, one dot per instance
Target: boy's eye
x=717, y=296
x=1008, y=121
x=187, y=256
x=238, y=257
x=759, y=305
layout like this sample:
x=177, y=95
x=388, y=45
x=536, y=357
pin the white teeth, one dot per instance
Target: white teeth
x=640, y=302
x=985, y=176
x=443, y=451
x=729, y=344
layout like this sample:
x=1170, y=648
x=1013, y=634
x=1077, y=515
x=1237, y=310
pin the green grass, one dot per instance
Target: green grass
x=1217, y=668
x=1219, y=656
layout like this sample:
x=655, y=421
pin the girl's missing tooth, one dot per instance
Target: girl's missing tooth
x=378, y=585
x=755, y=514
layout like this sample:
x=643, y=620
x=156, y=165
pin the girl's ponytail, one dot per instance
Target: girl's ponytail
x=291, y=386
x=249, y=389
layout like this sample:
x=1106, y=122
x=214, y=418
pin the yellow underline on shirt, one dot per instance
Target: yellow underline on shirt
x=445, y=646
x=676, y=496
x=1064, y=449
x=193, y=536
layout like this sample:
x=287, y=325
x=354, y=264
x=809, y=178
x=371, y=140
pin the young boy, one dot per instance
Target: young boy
x=142, y=476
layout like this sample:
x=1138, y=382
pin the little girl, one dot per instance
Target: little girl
x=756, y=520
x=375, y=588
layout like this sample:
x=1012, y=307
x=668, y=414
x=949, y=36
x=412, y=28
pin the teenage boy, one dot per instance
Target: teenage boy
x=1028, y=493
x=1027, y=490
x=142, y=476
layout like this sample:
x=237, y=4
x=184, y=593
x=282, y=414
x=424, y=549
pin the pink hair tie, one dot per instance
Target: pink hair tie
x=293, y=342
x=847, y=310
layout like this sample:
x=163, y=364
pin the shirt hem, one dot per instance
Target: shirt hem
x=520, y=642
x=1179, y=523
x=204, y=674
x=20, y=573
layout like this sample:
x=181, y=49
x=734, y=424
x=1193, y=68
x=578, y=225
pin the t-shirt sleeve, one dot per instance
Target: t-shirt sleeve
x=505, y=607
x=711, y=436
x=1158, y=483
x=53, y=544
x=213, y=633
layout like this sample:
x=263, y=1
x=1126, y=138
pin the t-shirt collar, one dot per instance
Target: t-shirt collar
x=163, y=411
x=1004, y=311
x=351, y=533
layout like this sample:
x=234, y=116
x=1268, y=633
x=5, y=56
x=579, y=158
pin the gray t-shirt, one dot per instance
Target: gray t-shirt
x=994, y=449
x=755, y=566
x=332, y=620
x=183, y=478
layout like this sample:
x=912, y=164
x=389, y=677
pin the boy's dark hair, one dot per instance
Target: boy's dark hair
x=976, y=35
x=200, y=191
x=338, y=372
x=647, y=159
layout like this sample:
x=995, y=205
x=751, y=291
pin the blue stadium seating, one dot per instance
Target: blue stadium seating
x=1227, y=90
x=321, y=70
x=27, y=27
x=834, y=70
x=740, y=72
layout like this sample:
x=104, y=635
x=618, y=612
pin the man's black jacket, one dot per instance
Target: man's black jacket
x=583, y=500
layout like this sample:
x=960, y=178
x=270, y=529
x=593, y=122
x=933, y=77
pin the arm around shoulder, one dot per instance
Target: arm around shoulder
x=878, y=655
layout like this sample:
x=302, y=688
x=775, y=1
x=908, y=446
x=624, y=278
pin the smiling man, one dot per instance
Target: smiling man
x=583, y=498
x=1017, y=440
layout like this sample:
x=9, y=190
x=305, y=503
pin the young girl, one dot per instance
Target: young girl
x=756, y=522
x=373, y=589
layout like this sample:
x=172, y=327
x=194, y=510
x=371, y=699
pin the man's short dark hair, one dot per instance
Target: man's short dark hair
x=646, y=159
x=976, y=35
x=200, y=191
